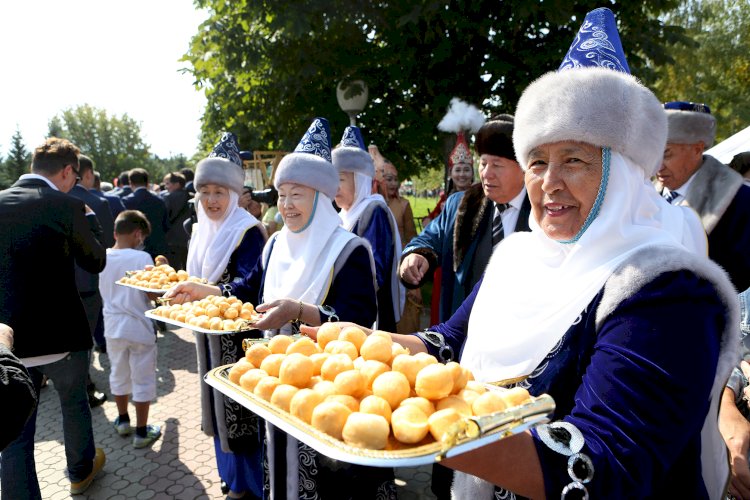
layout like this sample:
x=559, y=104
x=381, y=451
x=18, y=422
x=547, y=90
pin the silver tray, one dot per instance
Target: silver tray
x=151, y=315
x=157, y=291
x=488, y=429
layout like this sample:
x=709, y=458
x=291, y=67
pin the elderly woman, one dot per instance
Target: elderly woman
x=367, y=215
x=609, y=304
x=225, y=245
x=311, y=271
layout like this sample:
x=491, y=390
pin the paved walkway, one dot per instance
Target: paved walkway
x=180, y=465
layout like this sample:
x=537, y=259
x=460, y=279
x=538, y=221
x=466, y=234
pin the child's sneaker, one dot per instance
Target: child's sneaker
x=153, y=432
x=122, y=428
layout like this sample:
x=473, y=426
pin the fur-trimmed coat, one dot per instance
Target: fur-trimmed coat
x=459, y=241
x=722, y=201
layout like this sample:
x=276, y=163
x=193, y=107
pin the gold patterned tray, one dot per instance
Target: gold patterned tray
x=157, y=291
x=151, y=315
x=483, y=430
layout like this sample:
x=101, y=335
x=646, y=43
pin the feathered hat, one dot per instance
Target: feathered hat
x=593, y=98
x=351, y=155
x=223, y=166
x=310, y=163
x=461, y=118
x=690, y=122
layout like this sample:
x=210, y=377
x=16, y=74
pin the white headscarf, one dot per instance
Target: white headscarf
x=363, y=197
x=534, y=287
x=213, y=241
x=301, y=263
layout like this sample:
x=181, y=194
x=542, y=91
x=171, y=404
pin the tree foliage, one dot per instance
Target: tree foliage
x=715, y=68
x=269, y=67
x=113, y=143
x=17, y=163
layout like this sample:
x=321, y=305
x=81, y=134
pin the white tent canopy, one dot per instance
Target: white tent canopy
x=726, y=149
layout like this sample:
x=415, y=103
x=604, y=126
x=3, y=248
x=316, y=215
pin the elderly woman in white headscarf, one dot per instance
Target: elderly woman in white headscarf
x=225, y=245
x=609, y=304
x=311, y=271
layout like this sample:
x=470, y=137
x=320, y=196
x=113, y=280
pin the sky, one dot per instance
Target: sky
x=122, y=57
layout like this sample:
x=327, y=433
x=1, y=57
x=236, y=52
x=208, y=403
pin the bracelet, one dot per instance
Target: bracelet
x=299, y=315
x=435, y=339
x=565, y=438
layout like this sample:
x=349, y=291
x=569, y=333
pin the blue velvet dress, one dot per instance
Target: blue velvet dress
x=637, y=388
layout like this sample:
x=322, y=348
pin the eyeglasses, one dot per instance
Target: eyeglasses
x=77, y=172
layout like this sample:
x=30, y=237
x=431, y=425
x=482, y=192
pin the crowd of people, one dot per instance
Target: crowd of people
x=598, y=259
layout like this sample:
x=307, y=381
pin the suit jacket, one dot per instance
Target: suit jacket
x=87, y=282
x=45, y=233
x=114, y=202
x=459, y=241
x=155, y=211
x=123, y=191
x=178, y=211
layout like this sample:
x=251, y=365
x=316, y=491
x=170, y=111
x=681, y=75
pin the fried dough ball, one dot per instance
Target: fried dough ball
x=265, y=387
x=350, y=382
x=231, y=313
x=247, y=314
x=342, y=347
x=377, y=348
x=228, y=325
x=271, y=364
x=434, y=382
x=318, y=359
x=256, y=353
x=325, y=388
x=409, y=424
x=475, y=386
x=212, y=311
x=411, y=365
x=460, y=376
x=422, y=403
x=335, y=364
x=303, y=345
x=326, y=333
x=304, y=402
x=240, y=368
x=371, y=369
x=377, y=406
x=462, y=407
x=391, y=386
x=441, y=420
x=397, y=349
x=279, y=344
x=215, y=323
x=330, y=417
x=354, y=335
x=296, y=369
x=381, y=333
x=366, y=430
x=249, y=380
x=350, y=402
x=515, y=396
x=282, y=396
x=468, y=396
x=487, y=403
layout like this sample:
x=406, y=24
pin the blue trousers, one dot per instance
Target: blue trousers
x=18, y=469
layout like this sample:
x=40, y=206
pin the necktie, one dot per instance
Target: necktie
x=497, y=223
x=671, y=196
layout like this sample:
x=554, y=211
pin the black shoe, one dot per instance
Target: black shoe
x=96, y=398
x=224, y=488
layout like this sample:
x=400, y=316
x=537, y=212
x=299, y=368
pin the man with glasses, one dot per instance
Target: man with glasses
x=45, y=234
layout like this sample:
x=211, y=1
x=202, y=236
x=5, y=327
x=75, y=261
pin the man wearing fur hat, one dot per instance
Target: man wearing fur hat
x=462, y=237
x=716, y=192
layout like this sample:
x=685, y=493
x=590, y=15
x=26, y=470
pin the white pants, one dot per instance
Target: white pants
x=133, y=369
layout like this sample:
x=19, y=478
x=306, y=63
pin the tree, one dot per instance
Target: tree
x=113, y=143
x=269, y=67
x=715, y=68
x=18, y=161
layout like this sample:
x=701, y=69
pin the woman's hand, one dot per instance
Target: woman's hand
x=189, y=291
x=735, y=429
x=277, y=313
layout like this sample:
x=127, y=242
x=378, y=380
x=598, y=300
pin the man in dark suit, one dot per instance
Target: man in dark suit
x=123, y=185
x=178, y=211
x=45, y=233
x=153, y=207
x=114, y=201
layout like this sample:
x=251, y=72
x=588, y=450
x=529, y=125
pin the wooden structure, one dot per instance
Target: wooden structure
x=260, y=171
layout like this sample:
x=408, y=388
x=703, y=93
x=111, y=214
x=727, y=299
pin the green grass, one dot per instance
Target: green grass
x=420, y=207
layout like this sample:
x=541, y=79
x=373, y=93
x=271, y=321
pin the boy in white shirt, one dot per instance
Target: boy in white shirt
x=130, y=336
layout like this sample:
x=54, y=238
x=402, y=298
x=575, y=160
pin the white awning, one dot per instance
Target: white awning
x=726, y=149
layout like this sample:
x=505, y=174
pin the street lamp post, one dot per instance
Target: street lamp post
x=352, y=98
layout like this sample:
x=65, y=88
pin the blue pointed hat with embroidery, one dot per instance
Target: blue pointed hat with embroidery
x=597, y=44
x=310, y=163
x=223, y=166
x=351, y=154
x=593, y=98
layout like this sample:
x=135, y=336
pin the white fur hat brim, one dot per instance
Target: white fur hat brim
x=351, y=159
x=690, y=127
x=219, y=171
x=594, y=105
x=308, y=170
